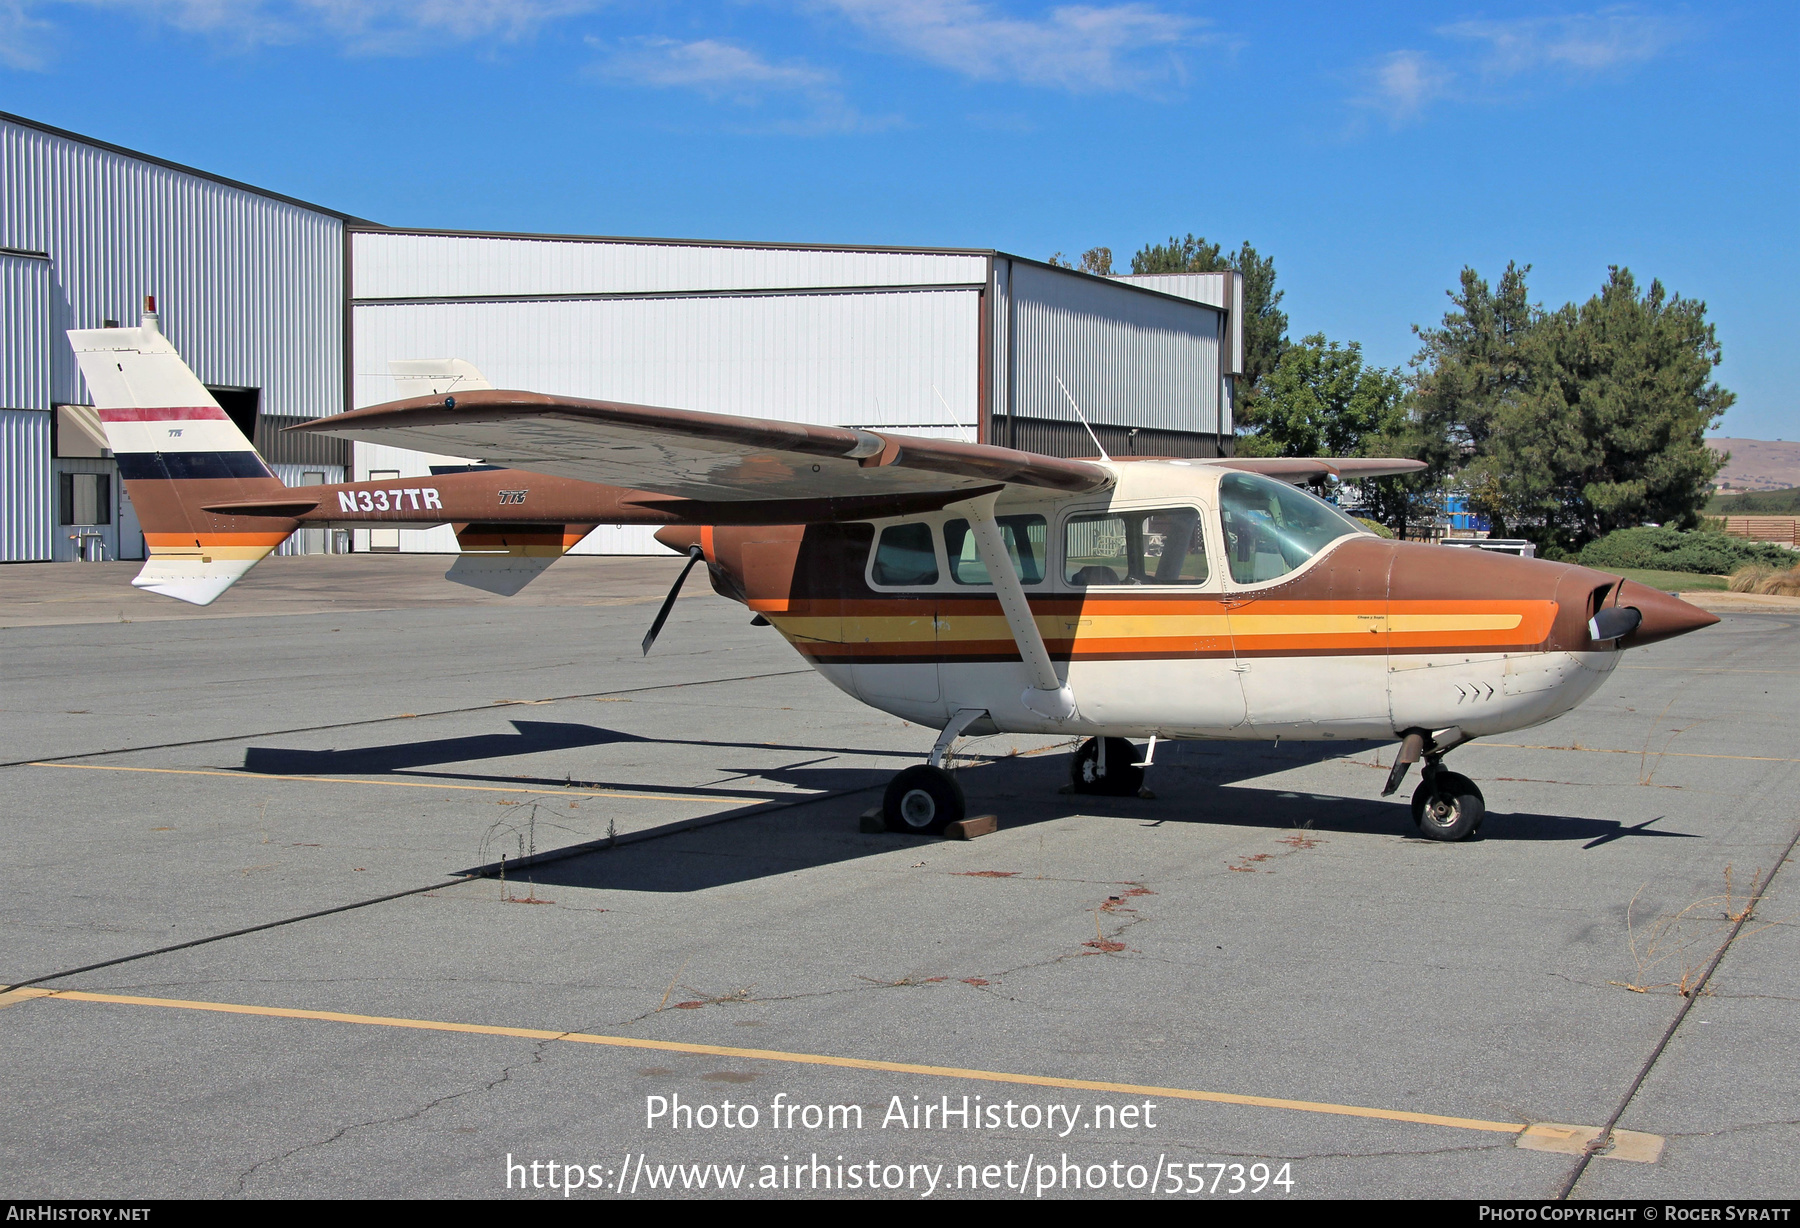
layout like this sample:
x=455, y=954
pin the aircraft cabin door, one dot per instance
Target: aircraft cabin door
x=1149, y=631
x=894, y=636
x=1312, y=649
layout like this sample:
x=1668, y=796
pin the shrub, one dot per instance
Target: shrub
x=1700, y=553
x=1770, y=581
x=1376, y=527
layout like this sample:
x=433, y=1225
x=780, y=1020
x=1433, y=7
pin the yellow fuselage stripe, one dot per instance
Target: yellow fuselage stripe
x=925, y=627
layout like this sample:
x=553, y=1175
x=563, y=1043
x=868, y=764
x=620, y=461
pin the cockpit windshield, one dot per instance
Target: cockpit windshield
x=1272, y=528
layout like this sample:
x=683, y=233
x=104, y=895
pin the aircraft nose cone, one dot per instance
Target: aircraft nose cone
x=1665, y=615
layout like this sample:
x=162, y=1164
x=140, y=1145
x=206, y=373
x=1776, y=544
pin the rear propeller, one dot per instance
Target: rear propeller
x=695, y=554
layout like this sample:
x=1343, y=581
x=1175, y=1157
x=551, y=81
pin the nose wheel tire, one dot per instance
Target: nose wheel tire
x=1447, y=806
x=922, y=801
x=1119, y=778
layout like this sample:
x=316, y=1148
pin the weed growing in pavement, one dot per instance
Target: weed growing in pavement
x=1682, y=945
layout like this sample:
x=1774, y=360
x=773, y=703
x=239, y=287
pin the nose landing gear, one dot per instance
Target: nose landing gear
x=1447, y=805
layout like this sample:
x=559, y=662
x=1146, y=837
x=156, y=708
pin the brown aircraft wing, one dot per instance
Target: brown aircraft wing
x=694, y=455
x=1308, y=468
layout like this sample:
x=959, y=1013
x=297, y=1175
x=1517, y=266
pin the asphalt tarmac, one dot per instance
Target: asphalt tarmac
x=1258, y=983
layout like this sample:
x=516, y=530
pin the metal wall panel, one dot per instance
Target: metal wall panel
x=904, y=361
x=24, y=331
x=1224, y=290
x=399, y=264
x=249, y=288
x=1128, y=358
x=27, y=486
x=869, y=359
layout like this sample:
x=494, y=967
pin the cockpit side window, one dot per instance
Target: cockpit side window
x=1166, y=546
x=1025, y=538
x=905, y=556
x=1272, y=528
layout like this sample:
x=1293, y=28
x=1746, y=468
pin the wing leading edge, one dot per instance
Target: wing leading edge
x=688, y=454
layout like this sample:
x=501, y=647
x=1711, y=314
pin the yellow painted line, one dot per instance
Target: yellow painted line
x=1607, y=750
x=409, y=784
x=807, y=1059
x=16, y=996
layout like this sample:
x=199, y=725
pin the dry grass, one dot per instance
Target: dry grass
x=1766, y=580
x=1681, y=945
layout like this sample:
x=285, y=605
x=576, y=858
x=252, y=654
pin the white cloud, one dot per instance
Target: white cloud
x=1583, y=42
x=1404, y=83
x=1482, y=55
x=1075, y=47
x=710, y=66
x=726, y=71
x=378, y=27
x=21, y=37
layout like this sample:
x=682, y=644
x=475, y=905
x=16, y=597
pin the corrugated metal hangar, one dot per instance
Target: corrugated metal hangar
x=289, y=310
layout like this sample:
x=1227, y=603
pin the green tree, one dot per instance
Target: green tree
x=1265, y=324
x=1608, y=429
x=1095, y=260
x=1322, y=400
x=1470, y=368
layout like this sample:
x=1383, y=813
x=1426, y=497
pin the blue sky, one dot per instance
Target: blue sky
x=1372, y=150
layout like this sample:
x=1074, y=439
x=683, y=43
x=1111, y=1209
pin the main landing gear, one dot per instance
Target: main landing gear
x=925, y=799
x=1446, y=805
x=1106, y=766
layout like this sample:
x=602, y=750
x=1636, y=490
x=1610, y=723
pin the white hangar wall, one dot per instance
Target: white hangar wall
x=844, y=337
x=249, y=286
x=1149, y=361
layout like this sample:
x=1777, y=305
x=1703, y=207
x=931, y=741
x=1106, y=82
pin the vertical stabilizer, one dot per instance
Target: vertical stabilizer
x=421, y=377
x=177, y=451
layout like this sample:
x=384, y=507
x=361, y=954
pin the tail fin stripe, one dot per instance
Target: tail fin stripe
x=160, y=413
x=182, y=466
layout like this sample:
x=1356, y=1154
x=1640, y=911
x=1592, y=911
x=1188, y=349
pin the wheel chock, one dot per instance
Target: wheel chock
x=973, y=826
x=873, y=821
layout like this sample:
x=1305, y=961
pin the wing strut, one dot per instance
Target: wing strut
x=1047, y=695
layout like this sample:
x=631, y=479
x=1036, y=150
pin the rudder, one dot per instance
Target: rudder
x=178, y=452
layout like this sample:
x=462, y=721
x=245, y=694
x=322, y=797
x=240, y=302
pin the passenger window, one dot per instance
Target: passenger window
x=1167, y=546
x=1271, y=528
x=1025, y=538
x=905, y=556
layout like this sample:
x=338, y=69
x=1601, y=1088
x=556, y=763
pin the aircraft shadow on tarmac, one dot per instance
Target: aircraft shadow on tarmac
x=532, y=737
x=1023, y=790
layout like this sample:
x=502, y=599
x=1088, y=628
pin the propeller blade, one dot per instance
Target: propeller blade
x=695, y=554
x=1614, y=622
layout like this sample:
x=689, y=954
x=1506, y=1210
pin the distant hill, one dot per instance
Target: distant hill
x=1757, y=464
x=1756, y=503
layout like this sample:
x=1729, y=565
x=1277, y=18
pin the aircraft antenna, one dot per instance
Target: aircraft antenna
x=1083, y=419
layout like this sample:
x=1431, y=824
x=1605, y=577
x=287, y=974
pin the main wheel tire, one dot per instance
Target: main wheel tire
x=1122, y=778
x=1448, y=806
x=922, y=800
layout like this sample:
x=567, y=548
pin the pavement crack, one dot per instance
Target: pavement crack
x=505, y=1076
